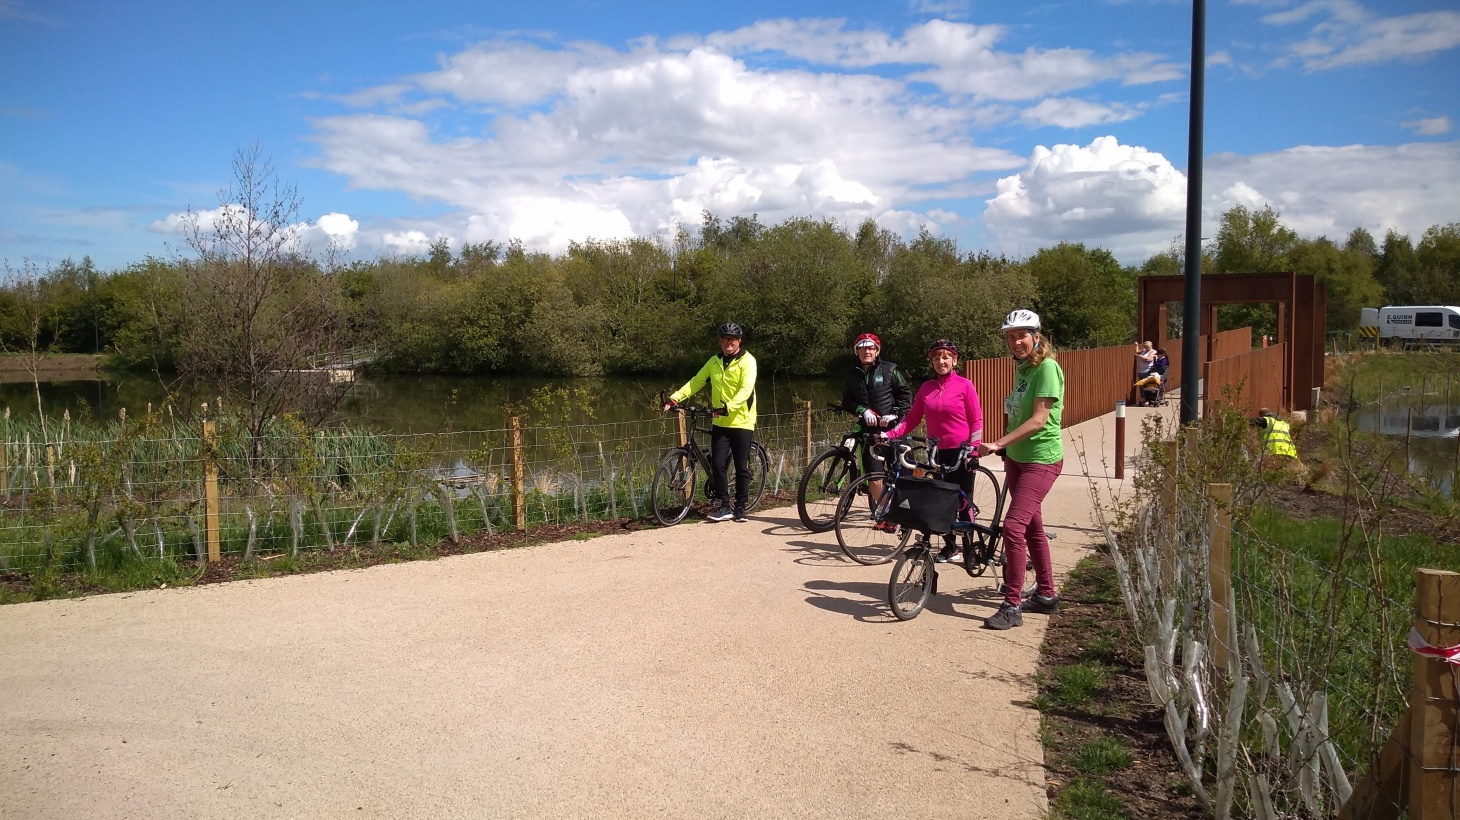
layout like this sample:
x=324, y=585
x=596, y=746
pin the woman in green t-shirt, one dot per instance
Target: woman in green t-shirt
x=1034, y=454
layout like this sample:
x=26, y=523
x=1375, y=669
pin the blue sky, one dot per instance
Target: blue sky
x=1007, y=126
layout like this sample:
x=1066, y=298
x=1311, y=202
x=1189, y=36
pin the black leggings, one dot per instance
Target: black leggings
x=963, y=477
x=725, y=442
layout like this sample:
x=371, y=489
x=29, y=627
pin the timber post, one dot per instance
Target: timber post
x=1435, y=772
x=210, y=492
x=519, y=492
x=806, y=443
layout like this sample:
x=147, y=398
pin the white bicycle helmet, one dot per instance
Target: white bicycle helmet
x=1020, y=319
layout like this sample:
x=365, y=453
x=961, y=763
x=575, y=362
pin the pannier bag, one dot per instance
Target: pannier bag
x=924, y=504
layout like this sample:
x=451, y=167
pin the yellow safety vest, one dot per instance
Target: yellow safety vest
x=1277, y=438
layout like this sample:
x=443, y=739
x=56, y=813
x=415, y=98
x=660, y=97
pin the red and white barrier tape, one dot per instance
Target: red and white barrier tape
x=1448, y=654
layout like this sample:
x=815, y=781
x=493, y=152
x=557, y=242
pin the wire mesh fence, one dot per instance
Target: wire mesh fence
x=75, y=494
x=1276, y=650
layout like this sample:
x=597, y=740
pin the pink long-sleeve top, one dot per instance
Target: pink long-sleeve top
x=951, y=406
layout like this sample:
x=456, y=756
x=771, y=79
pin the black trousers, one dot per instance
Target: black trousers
x=724, y=443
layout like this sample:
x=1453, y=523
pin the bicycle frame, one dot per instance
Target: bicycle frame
x=985, y=537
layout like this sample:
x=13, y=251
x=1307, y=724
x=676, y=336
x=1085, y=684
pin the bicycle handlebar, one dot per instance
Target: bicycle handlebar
x=902, y=449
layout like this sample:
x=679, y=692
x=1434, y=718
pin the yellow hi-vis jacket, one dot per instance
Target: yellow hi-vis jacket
x=1277, y=438
x=732, y=386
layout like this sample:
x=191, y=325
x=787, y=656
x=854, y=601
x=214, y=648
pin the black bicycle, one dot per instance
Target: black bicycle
x=915, y=575
x=863, y=530
x=829, y=475
x=673, y=492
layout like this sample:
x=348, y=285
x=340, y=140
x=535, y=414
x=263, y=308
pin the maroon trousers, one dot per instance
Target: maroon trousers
x=1024, y=540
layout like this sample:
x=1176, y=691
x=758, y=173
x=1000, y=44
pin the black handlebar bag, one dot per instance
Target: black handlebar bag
x=924, y=504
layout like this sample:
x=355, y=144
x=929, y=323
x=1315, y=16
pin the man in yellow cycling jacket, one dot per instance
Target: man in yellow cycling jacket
x=731, y=376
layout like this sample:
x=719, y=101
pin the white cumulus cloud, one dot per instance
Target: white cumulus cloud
x=1120, y=197
x=1133, y=201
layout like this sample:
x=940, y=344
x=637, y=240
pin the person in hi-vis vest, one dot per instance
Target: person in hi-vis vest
x=1279, y=452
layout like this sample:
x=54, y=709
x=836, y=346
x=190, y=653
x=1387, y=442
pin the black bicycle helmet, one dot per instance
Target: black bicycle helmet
x=731, y=329
x=943, y=344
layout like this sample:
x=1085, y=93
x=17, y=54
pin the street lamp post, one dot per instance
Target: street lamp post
x=1191, y=313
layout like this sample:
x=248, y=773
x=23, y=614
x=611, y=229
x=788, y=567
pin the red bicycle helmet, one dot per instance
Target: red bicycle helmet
x=867, y=340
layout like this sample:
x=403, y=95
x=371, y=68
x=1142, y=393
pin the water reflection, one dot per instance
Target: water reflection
x=1433, y=433
x=419, y=404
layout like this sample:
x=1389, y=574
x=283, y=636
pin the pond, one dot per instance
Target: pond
x=423, y=404
x=1432, y=432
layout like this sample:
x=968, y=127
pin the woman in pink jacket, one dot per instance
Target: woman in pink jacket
x=950, y=404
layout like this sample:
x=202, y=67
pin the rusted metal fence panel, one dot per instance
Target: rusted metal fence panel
x=994, y=379
x=1228, y=343
x=1173, y=352
x=1247, y=381
x=1095, y=379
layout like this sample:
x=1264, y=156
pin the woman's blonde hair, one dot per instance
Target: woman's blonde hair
x=1043, y=349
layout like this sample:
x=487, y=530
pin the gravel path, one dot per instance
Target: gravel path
x=705, y=670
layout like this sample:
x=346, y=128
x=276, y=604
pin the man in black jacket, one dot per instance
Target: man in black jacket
x=876, y=391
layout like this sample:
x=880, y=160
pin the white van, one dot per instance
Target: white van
x=1418, y=323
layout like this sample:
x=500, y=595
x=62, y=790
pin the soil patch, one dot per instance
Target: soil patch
x=1092, y=628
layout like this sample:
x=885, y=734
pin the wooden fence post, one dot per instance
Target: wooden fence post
x=1432, y=702
x=1219, y=571
x=519, y=492
x=806, y=460
x=5, y=469
x=210, y=493
x=682, y=436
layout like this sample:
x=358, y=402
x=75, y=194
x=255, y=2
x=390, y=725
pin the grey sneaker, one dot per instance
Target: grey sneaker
x=721, y=514
x=740, y=516
x=1007, y=617
x=950, y=554
x=1041, y=605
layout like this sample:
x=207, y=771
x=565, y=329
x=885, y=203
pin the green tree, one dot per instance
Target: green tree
x=1346, y=274
x=1438, y=266
x=1086, y=298
x=1252, y=242
x=796, y=288
x=1398, y=269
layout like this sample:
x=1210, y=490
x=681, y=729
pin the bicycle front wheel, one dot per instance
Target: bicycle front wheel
x=673, y=489
x=821, y=488
x=913, y=578
x=861, y=526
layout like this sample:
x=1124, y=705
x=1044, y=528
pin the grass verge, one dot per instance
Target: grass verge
x=1106, y=753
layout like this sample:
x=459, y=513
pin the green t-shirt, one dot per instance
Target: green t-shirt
x=1046, y=381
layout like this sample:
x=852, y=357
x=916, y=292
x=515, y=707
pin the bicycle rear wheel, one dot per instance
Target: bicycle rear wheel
x=673, y=489
x=980, y=549
x=861, y=526
x=759, y=464
x=987, y=499
x=913, y=578
x=821, y=488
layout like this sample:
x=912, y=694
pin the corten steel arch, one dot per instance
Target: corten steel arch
x=1302, y=319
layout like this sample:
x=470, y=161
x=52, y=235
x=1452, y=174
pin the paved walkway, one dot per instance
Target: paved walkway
x=705, y=671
